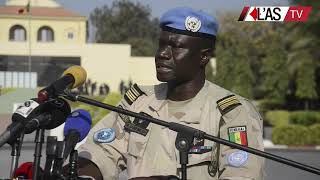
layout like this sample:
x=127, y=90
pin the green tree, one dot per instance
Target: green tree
x=127, y=22
x=239, y=50
x=274, y=73
x=305, y=81
x=303, y=42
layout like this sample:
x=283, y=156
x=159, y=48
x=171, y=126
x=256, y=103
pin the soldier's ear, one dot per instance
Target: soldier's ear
x=205, y=55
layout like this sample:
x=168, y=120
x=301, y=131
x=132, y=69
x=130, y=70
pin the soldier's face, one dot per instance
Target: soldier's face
x=177, y=58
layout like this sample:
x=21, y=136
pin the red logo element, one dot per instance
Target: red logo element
x=254, y=13
x=298, y=13
x=243, y=13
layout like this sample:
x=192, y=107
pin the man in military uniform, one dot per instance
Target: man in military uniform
x=147, y=150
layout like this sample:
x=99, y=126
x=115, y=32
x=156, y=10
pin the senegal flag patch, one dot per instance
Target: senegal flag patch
x=238, y=135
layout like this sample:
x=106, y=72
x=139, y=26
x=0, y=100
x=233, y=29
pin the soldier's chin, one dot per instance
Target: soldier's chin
x=164, y=77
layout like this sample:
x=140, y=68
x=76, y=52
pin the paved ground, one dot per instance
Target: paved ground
x=274, y=170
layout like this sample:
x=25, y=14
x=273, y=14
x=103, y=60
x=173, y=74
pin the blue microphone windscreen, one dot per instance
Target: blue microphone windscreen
x=79, y=120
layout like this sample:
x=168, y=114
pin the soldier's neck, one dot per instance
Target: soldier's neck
x=186, y=90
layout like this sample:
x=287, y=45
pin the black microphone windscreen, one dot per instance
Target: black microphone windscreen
x=59, y=110
x=51, y=115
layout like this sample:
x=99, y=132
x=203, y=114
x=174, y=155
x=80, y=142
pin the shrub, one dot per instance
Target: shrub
x=265, y=105
x=314, y=132
x=291, y=135
x=306, y=118
x=277, y=118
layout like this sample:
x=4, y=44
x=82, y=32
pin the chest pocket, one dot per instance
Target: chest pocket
x=197, y=158
x=138, y=142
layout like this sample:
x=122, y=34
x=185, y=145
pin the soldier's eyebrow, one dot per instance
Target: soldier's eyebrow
x=177, y=40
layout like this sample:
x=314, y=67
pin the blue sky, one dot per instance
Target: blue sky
x=84, y=7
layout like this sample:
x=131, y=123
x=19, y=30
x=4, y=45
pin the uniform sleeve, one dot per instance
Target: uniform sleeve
x=241, y=124
x=109, y=157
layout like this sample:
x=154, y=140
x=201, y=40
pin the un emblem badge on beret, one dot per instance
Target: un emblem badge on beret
x=192, y=24
x=105, y=135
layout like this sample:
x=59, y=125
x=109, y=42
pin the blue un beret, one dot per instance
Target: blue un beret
x=184, y=20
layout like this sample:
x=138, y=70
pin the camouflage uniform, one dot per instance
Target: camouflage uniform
x=214, y=110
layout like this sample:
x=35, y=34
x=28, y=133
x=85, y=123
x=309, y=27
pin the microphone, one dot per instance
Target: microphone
x=53, y=114
x=20, y=117
x=24, y=171
x=32, y=115
x=71, y=78
x=76, y=128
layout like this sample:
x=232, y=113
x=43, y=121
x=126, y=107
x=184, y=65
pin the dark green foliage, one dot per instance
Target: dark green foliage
x=234, y=67
x=274, y=74
x=277, y=118
x=314, y=130
x=296, y=135
x=305, y=118
x=303, y=42
x=127, y=22
x=291, y=135
x=270, y=104
x=269, y=61
x=313, y=23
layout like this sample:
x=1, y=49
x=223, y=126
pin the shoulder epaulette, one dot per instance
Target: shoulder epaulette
x=228, y=103
x=132, y=94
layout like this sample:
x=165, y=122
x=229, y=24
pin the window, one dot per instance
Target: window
x=70, y=35
x=45, y=34
x=17, y=33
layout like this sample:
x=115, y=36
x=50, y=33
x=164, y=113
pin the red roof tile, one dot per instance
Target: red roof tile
x=38, y=11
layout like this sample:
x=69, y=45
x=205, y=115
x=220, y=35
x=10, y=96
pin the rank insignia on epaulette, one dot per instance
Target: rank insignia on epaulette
x=132, y=94
x=228, y=103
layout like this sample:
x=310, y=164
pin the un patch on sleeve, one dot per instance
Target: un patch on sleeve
x=238, y=158
x=105, y=135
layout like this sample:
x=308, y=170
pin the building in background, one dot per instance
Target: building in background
x=40, y=40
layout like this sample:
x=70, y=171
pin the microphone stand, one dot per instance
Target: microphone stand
x=51, y=154
x=39, y=138
x=186, y=135
x=15, y=153
x=73, y=165
x=57, y=168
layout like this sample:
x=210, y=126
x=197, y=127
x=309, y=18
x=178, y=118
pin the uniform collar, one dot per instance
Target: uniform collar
x=195, y=107
x=160, y=93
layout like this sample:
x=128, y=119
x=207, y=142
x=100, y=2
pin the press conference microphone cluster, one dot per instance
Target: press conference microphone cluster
x=73, y=77
x=76, y=128
x=32, y=115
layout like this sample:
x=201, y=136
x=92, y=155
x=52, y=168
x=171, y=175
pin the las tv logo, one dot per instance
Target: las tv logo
x=274, y=13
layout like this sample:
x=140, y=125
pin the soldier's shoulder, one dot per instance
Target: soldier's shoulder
x=217, y=91
x=153, y=89
x=225, y=100
x=139, y=91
